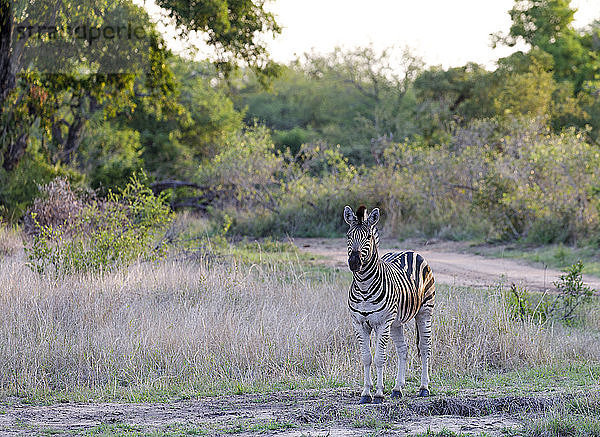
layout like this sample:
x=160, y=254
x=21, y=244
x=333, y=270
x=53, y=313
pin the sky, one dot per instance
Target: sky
x=442, y=32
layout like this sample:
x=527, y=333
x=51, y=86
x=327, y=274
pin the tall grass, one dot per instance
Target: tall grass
x=10, y=241
x=194, y=327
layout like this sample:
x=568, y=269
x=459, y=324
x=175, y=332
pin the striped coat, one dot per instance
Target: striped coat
x=385, y=294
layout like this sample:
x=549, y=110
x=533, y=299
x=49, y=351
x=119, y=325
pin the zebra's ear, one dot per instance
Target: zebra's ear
x=373, y=217
x=349, y=216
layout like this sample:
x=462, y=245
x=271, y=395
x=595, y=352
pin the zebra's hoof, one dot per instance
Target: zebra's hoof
x=367, y=399
x=423, y=393
x=378, y=399
x=396, y=394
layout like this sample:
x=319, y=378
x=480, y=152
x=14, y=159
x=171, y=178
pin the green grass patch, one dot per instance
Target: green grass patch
x=564, y=377
x=126, y=430
x=579, y=417
x=443, y=433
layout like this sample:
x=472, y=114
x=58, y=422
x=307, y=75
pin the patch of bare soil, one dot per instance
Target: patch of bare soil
x=450, y=264
x=332, y=412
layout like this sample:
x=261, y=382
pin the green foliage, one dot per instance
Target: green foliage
x=196, y=125
x=104, y=235
x=510, y=179
x=455, y=153
x=233, y=28
x=564, y=307
x=572, y=295
x=45, y=117
x=525, y=306
x=346, y=98
x=548, y=25
x=19, y=187
x=110, y=156
x=293, y=139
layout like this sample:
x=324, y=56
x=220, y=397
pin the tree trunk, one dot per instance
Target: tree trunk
x=15, y=142
x=15, y=151
x=7, y=73
x=73, y=141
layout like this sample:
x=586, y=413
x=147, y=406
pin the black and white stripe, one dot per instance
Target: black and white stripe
x=385, y=294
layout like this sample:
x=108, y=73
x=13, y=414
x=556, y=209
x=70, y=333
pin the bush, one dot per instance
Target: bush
x=20, y=187
x=58, y=205
x=110, y=156
x=503, y=180
x=572, y=295
x=563, y=307
x=102, y=235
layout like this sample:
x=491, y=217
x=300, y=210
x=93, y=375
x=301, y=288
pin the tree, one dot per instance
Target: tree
x=448, y=97
x=233, y=29
x=547, y=25
x=343, y=97
x=60, y=80
x=91, y=79
x=196, y=126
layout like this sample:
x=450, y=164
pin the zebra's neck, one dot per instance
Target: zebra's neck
x=364, y=278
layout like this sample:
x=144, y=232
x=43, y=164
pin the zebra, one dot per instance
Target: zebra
x=385, y=294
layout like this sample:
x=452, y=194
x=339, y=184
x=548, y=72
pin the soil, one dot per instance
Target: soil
x=333, y=412
x=451, y=264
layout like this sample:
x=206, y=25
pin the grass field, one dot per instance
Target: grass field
x=195, y=326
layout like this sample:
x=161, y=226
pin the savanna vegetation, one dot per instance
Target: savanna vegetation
x=465, y=152
x=131, y=200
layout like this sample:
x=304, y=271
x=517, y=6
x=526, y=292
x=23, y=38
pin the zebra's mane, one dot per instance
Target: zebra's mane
x=361, y=213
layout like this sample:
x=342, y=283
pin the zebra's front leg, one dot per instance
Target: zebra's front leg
x=383, y=335
x=363, y=335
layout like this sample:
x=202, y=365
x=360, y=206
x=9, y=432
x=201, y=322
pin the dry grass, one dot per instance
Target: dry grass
x=192, y=327
x=11, y=241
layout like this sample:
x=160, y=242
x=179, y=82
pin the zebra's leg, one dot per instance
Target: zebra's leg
x=423, y=322
x=363, y=335
x=383, y=335
x=397, y=334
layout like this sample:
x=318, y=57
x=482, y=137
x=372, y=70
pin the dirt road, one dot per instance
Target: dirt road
x=450, y=264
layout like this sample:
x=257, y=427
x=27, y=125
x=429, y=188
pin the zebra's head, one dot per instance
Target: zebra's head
x=362, y=235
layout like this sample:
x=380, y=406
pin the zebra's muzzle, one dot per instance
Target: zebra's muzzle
x=354, y=261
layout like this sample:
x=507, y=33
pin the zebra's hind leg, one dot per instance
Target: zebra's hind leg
x=363, y=335
x=423, y=322
x=397, y=334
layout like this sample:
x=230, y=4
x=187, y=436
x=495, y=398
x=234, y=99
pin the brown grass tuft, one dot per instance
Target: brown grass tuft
x=57, y=206
x=10, y=241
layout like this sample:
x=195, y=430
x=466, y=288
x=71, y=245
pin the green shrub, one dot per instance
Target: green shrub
x=20, y=187
x=548, y=230
x=563, y=307
x=126, y=227
x=524, y=306
x=572, y=295
x=512, y=180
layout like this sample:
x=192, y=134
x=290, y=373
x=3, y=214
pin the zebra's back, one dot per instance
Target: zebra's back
x=414, y=281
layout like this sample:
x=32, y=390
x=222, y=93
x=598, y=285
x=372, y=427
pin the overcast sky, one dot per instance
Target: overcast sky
x=450, y=33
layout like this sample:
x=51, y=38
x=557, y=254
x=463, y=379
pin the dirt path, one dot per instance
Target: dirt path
x=450, y=264
x=333, y=412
